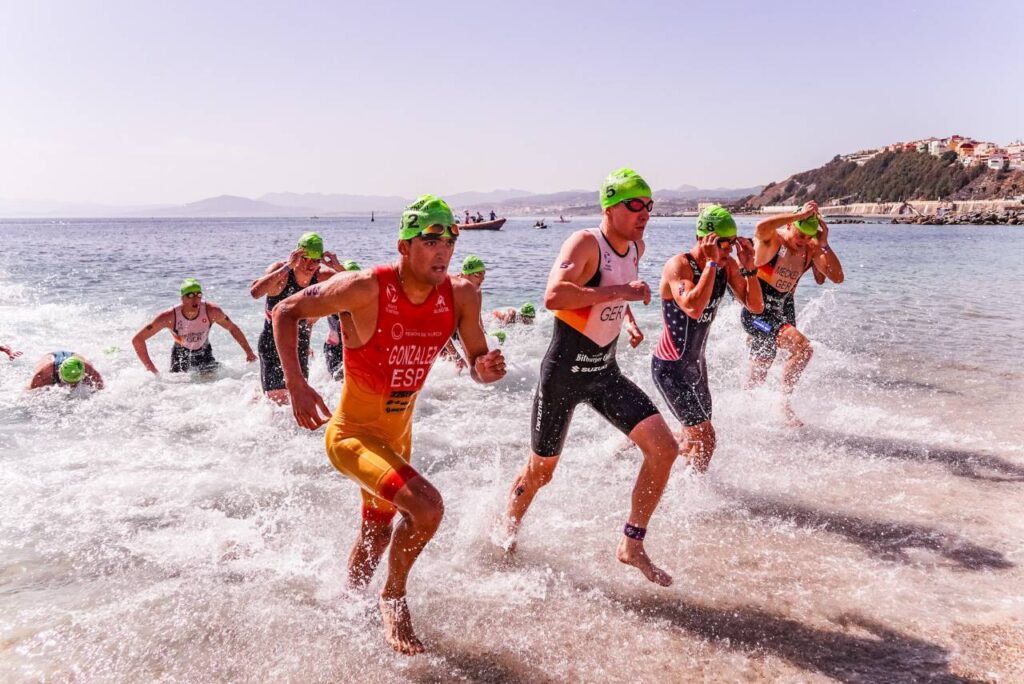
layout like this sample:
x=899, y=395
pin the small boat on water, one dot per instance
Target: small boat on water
x=496, y=224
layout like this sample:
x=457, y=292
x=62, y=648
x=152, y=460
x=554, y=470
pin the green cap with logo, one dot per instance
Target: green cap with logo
x=71, y=370
x=313, y=244
x=500, y=334
x=190, y=285
x=427, y=210
x=717, y=220
x=473, y=264
x=621, y=185
x=528, y=310
x=350, y=265
x=808, y=226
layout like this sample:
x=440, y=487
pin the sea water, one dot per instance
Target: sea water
x=170, y=528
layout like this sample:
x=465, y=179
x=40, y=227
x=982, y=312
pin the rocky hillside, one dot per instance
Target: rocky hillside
x=892, y=177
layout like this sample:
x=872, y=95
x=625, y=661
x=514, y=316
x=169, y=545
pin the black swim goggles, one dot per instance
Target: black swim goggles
x=636, y=205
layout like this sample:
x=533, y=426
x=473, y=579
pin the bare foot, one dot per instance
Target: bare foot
x=398, y=626
x=790, y=416
x=631, y=552
x=503, y=535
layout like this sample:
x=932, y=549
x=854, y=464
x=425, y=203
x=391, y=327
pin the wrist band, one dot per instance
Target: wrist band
x=746, y=274
x=713, y=264
x=634, y=532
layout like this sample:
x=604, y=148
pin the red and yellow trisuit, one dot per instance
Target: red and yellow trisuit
x=369, y=438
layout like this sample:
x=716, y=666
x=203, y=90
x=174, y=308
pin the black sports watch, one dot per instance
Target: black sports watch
x=746, y=274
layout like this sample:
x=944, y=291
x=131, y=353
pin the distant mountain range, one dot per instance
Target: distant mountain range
x=290, y=204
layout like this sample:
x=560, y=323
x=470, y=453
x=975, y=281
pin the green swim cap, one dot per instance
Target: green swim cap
x=190, y=285
x=808, y=226
x=350, y=265
x=473, y=264
x=717, y=220
x=528, y=310
x=501, y=335
x=621, y=185
x=313, y=244
x=71, y=370
x=426, y=211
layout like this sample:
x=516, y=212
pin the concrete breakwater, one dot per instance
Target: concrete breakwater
x=914, y=208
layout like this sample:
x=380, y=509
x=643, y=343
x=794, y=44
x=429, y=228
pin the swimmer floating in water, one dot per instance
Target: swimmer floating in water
x=65, y=368
x=190, y=323
x=397, y=319
x=526, y=314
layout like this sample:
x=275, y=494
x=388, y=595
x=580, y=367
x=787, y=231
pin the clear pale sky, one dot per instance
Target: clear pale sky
x=151, y=102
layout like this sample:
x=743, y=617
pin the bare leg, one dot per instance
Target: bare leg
x=800, y=353
x=279, y=396
x=758, y=371
x=698, y=443
x=373, y=539
x=422, y=509
x=537, y=472
x=660, y=450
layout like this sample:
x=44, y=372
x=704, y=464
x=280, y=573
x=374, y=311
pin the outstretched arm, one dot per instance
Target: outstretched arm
x=218, y=316
x=11, y=354
x=826, y=260
x=484, y=366
x=163, y=320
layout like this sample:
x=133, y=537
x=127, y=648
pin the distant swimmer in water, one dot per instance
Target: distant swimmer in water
x=190, y=323
x=473, y=271
x=334, y=350
x=590, y=285
x=281, y=280
x=692, y=286
x=11, y=354
x=526, y=314
x=786, y=247
x=65, y=368
x=399, y=316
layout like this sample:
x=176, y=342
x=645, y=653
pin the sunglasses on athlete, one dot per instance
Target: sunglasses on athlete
x=637, y=205
x=726, y=242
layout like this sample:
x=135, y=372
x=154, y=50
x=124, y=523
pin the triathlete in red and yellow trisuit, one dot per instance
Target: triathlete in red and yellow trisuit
x=369, y=438
x=398, y=318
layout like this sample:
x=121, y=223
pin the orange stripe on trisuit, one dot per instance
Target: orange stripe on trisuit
x=394, y=481
x=576, y=318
